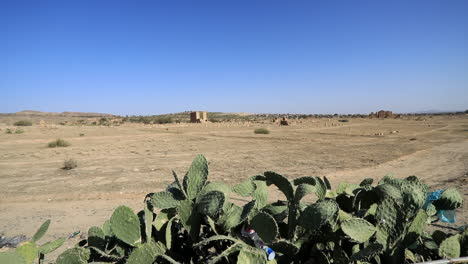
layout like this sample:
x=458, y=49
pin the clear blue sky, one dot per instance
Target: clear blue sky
x=150, y=57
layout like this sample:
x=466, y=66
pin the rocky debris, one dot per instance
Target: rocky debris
x=11, y=242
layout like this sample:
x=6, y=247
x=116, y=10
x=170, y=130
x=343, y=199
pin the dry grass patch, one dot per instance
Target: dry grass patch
x=261, y=131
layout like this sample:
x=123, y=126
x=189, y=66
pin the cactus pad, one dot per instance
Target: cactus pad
x=449, y=200
x=358, y=229
x=265, y=226
x=144, y=254
x=189, y=218
x=245, y=188
x=215, y=186
x=41, y=231
x=368, y=252
x=96, y=237
x=11, y=257
x=318, y=214
x=450, y=247
x=260, y=195
x=366, y=181
x=126, y=225
x=231, y=217
x=385, y=191
x=75, y=255
x=51, y=246
x=106, y=228
x=196, y=176
x=281, y=182
x=285, y=247
x=211, y=203
x=163, y=200
x=250, y=257
x=321, y=188
x=29, y=251
x=307, y=180
x=303, y=190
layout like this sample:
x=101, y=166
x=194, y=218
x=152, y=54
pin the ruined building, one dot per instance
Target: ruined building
x=382, y=114
x=198, y=117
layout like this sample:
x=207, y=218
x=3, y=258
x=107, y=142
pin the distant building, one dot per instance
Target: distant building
x=382, y=114
x=198, y=117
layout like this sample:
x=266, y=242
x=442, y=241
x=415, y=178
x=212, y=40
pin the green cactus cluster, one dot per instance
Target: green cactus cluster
x=197, y=221
x=30, y=252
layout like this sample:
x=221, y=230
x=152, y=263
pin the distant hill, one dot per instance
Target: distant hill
x=63, y=114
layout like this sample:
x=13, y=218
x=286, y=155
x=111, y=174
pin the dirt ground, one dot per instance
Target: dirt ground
x=119, y=165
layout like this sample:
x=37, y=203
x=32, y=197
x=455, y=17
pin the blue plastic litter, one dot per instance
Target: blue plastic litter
x=447, y=216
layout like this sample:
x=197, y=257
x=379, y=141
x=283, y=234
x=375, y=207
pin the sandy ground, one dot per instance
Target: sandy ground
x=119, y=165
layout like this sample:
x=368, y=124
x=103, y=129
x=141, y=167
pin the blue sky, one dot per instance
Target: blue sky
x=151, y=57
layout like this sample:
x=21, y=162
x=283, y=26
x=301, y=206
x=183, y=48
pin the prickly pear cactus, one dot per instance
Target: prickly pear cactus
x=358, y=229
x=196, y=177
x=125, y=225
x=319, y=214
x=75, y=255
x=245, y=188
x=96, y=237
x=11, y=257
x=41, y=231
x=211, y=203
x=450, y=247
x=281, y=182
x=163, y=200
x=247, y=256
x=265, y=226
x=51, y=246
x=449, y=200
x=145, y=253
x=29, y=251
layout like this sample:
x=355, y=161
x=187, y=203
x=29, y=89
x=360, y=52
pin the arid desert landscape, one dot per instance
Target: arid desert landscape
x=121, y=164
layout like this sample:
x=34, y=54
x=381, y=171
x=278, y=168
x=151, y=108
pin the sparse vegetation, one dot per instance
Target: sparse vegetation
x=82, y=134
x=23, y=123
x=58, y=143
x=14, y=131
x=261, y=131
x=69, y=164
x=29, y=251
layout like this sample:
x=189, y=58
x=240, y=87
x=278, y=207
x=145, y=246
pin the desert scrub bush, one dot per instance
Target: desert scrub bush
x=23, y=123
x=69, y=164
x=261, y=131
x=15, y=131
x=29, y=251
x=82, y=134
x=195, y=221
x=58, y=143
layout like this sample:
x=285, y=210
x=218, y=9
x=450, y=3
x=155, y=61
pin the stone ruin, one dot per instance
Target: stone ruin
x=381, y=114
x=198, y=117
x=283, y=121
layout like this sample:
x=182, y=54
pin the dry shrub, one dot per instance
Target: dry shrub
x=58, y=143
x=69, y=164
x=261, y=131
x=23, y=123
